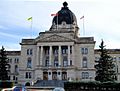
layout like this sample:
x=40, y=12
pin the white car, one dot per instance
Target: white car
x=8, y=89
x=58, y=89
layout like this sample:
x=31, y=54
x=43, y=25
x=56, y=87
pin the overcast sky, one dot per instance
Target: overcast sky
x=101, y=19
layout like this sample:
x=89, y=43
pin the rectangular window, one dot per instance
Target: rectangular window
x=29, y=51
x=16, y=79
x=85, y=75
x=64, y=51
x=16, y=60
x=56, y=63
x=84, y=50
x=47, y=63
x=10, y=60
x=13, y=77
x=29, y=62
x=70, y=49
x=65, y=63
x=28, y=75
x=84, y=62
x=70, y=62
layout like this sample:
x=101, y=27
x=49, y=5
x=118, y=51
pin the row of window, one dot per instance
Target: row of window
x=55, y=51
x=16, y=60
x=16, y=70
x=56, y=73
x=56, y=63
x=14, y=78
x=28, y=75
x=65, y=51
x=65, y=62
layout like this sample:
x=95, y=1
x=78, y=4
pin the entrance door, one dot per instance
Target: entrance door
x=54, y=75
x=64, y=75
x=45, y=75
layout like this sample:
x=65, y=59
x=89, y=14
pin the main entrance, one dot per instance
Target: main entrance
x=64, y=75
x=45, y=75
x=54, y=75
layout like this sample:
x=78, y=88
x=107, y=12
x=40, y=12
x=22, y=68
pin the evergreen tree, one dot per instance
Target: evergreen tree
x=3, y=65
x=105, y=66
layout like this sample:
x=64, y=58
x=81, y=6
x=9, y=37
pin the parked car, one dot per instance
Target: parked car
x=15, y=88
x=58, y=89
x=20, y=88
x=8, y=89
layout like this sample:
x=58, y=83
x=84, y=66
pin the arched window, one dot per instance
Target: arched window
x=84, y=62
x=29, y=63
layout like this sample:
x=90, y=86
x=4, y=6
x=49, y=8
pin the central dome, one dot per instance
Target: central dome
x=64, y=15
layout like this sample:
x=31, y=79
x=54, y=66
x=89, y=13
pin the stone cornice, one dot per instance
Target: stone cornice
x=55, y=38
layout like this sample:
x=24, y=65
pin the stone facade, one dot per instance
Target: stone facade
x=56, y=54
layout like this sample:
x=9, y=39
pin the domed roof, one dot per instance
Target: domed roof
x=65, y=15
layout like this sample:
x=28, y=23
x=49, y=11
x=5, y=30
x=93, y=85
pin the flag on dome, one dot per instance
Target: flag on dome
x=82, y=17
x=54, y=14
x=29, y=19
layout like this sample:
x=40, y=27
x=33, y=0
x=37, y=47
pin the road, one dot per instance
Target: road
x=39, y=90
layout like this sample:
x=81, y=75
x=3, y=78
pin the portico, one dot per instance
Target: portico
x=55, y=55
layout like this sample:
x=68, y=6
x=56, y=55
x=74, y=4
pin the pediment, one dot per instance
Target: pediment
x=55, y=38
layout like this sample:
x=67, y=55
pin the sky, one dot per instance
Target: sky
x=101, y=20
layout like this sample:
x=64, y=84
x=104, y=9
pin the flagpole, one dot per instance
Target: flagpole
x=31, y=27
x=83, y=25
x=31, y=23
x=83, y=28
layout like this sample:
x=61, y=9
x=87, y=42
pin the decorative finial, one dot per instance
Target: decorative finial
x=65, y=4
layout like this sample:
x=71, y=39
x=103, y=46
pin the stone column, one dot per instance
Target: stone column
x=41, y=56
x=73, y=55
x=68, y=55
x=59, y=57
x=38, y=55
x=50, y=56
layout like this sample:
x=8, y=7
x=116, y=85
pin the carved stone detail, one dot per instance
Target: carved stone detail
x=55, y=38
